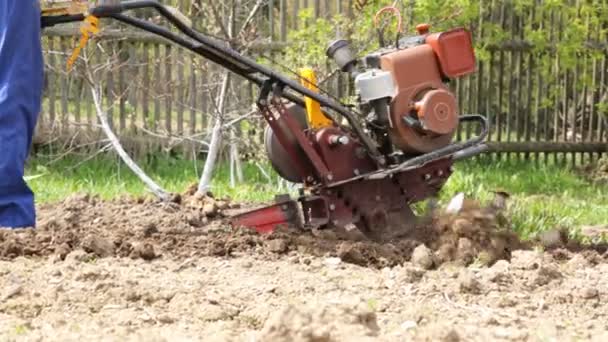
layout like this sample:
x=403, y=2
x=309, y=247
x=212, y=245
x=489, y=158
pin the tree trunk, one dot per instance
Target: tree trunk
x=236, y=172
x=216, y=138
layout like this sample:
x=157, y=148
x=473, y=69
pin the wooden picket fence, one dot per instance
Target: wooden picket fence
x=158, y=95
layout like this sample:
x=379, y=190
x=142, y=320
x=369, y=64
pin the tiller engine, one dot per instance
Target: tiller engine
x=359, y=166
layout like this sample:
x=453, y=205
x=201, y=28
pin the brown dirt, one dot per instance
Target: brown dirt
x=136, y=269
x=196, y=226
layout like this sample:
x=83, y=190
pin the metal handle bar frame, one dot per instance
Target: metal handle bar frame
x=222, y=55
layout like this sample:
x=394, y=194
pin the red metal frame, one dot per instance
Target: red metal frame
x=268, y=219
x=282, y=138
x=303, y=141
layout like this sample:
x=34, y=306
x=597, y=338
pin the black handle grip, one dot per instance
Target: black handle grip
x=48, y=21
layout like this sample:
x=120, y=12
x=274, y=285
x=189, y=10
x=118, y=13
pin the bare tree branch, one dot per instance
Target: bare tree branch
x=240, y=118
x=218, y=19
x=251, y=16
x=103, y=118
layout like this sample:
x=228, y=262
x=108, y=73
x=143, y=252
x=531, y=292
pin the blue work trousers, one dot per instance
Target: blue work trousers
x=21, y=84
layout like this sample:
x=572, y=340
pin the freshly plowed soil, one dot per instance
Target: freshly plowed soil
x=197, y=226
x=137, y=269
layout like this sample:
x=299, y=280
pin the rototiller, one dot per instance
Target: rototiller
x=359, y=166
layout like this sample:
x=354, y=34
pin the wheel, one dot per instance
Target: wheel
x=279, y=158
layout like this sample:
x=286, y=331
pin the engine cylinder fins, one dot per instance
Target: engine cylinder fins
x=280, y=160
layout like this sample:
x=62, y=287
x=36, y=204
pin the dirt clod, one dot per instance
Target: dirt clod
x=423, y=257
x=277, y=246
x=98, y=245
x=166, y=319
x=468, y=282
x=465, y=251
x=144, y=251
x=451, y=336
x=589, y=293
x=78, y=255
x=149, y=229
x=351, y=254
x=210, y=209
x=444, y=253
x=545, y=274
x=62, y=250
x=526, y=259
x=410, y=275
x=506, y=302
x=499, y=273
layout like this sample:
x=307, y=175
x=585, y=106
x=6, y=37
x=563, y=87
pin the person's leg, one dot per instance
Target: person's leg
x=21, y=82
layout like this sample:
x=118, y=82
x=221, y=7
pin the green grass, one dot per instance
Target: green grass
x=107, y=177
x=543, y=197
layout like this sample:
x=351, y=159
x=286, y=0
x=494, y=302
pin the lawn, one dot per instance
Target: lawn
x=107, y=177
x=543, y=196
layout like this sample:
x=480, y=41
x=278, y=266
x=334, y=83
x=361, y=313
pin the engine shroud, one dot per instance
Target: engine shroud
x=421, y=95
x=419, y=71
